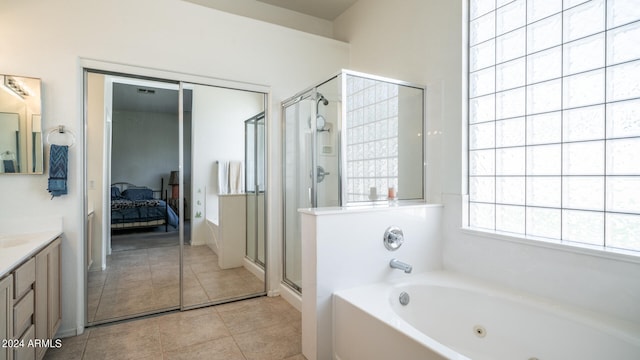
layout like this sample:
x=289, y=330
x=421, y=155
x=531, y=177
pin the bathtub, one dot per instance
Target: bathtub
x=452, y=317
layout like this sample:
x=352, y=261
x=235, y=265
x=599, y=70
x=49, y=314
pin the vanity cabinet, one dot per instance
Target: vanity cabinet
x=48, y=314
x=6, y=315
x=24, y=278
x=30, y=306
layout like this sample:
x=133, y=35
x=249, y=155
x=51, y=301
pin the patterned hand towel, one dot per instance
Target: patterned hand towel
x=58, y=163
x=9, y=166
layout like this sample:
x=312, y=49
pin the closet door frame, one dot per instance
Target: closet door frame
x=92, y=65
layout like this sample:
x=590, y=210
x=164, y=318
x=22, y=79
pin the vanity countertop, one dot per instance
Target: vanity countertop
x=17, y=246
x=14, y=249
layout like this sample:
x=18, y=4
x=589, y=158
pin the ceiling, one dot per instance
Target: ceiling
x=312, y=16
x=323, y=9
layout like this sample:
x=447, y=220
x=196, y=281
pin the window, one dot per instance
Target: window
x=554, y=119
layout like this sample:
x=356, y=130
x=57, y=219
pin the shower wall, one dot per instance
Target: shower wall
x=349, y=140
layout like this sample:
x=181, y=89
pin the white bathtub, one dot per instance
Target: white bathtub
x=452, y=317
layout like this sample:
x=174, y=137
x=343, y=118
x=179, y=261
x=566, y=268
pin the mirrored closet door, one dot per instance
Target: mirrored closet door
x=133, y=242
x=227, y=196
x=174, y=195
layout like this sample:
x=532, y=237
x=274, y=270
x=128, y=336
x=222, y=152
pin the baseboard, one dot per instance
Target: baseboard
x=253, y=268
x=291, y=296
x=65, y=333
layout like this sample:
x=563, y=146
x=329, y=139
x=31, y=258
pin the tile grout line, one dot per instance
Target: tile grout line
x=84, y=345
x=230, y=333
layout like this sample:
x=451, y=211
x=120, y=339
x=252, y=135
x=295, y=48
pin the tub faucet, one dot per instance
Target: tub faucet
x=397, y=264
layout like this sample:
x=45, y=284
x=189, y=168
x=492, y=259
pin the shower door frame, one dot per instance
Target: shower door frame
x=309, y=93
x=255, y=123
x=293, y=101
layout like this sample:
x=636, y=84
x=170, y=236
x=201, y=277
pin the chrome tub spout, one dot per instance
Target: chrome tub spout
x=397, y=264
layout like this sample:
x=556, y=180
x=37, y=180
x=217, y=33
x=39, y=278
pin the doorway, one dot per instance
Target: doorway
x=158, y=151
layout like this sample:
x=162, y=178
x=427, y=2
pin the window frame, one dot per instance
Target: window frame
x=555, y=243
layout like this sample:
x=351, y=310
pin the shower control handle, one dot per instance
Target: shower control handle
x=320, y=173
x=393, y=238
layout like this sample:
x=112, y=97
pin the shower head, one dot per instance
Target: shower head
x=320, y=120
x=322, y=99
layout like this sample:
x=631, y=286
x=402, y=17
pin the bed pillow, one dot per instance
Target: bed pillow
x=138, y=194
x=115, y=192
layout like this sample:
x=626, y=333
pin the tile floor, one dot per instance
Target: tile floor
x=143, y=280
x=261, y=328
x=205, y=281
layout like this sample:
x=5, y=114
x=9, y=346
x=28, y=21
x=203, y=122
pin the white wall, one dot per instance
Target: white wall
x=144, y=147
x=422, y=41
x=169, y=35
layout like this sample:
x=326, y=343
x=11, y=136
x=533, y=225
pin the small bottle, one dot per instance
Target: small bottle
x=373, y=193
x=392, y=195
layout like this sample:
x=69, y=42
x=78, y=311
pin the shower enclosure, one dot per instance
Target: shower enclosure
x=351, y=140
x=255, y=145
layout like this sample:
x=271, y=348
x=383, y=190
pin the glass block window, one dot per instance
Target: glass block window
x=372, y=133
x=554, y=119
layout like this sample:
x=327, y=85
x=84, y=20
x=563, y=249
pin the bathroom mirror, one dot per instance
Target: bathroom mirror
x=20, y=125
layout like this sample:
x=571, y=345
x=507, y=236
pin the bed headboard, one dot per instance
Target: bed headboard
x=122, y=186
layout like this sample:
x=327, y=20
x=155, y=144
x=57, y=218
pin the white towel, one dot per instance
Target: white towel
x=223, y=177
x=236, y=178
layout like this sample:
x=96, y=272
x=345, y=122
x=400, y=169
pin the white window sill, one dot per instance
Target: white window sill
x=572, y=247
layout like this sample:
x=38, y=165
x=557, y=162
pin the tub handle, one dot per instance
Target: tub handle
x=393, y=238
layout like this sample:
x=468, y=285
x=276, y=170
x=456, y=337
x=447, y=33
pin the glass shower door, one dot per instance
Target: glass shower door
x=298, y=184
x=311, y=165
x=328, y=107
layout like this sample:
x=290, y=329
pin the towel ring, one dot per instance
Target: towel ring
x=61, y=130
